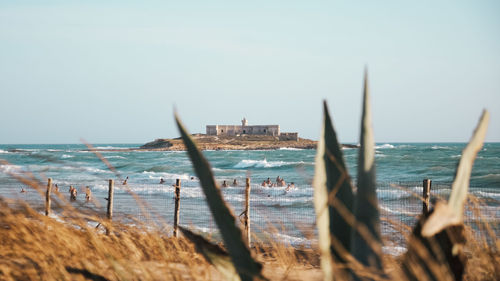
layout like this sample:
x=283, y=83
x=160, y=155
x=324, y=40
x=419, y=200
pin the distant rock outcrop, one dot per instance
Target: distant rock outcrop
x=157, y=144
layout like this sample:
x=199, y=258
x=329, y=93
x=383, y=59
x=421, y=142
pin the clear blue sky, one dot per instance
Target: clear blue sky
x=112, y=71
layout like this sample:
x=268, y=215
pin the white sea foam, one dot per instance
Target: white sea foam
x=3, y=151
x=290, y=148
x=394, y=250
x=67, y=156
x=114, y=157
x=384, y=208
x=384, y=146
x=440, y=147
x=110, y=147
x=9, y=168
x=54, y=150
x=83, y=168
x=263, y=164
x=292, y=240
x=164, y=175
x=487, y=194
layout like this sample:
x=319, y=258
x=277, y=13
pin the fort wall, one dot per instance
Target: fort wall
x=245, y=129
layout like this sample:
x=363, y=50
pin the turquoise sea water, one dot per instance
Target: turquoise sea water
x=396, y=162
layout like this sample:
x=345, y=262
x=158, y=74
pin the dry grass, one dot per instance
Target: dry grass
x=36, y=247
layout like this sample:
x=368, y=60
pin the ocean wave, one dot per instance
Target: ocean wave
x=290, y=148
x=67, y=156
x=54, y=150
x=437, y=147
x=347, y=148
x=83, y=168
x=484, y=194
x=386, y=209
x=3, y=151
x=10, y=168
x=292, y=240
x=263, y=164
x=165, y=175
x=111, y=147
x=115, y=157
x=384, y=146
x=394, y=250
x=495, y=177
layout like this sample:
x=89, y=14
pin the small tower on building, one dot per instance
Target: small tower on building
x=244, y=122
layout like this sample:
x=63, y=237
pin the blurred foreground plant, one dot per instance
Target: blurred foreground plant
x=348, y=222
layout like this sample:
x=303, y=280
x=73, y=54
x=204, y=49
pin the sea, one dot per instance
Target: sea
x=400, y=170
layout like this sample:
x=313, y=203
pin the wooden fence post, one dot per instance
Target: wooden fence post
x=110, y=203
x=47, y=197
x=247, y=212
x=177, y=205
x=426, y=194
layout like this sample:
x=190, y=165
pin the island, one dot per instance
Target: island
x=239, y=137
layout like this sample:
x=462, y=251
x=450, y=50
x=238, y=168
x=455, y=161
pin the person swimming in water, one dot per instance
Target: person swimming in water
x=162, y=181
x=224, y=184
x=73, y=193
x=235, y=183
x=125, y=181
x=88, y=193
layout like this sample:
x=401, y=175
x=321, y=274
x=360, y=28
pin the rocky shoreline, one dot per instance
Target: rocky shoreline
x=244, y=142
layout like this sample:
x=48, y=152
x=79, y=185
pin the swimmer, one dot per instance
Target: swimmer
x=235, y=183
x=264, y=183
x=88, y=193
x=224, y=184
x=22, y=190
x=162, y=181
x=73, y=194
x=125, y=181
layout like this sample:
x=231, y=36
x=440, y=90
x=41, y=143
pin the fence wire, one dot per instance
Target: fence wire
x=279, y=216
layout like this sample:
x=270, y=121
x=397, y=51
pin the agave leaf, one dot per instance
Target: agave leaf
x=366, y=244
x=213, y=254
x=435, y=251
x=332, y=190
x=453, y=211
x=245, y=265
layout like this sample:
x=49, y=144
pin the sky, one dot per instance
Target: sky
x=114, y=71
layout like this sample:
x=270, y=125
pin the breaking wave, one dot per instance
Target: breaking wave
x=263, y=164
x=384, y=146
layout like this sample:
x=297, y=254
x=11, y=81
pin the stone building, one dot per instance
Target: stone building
x=245, y=129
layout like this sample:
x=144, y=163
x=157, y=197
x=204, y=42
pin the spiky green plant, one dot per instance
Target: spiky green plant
x=348, y=224
x=435, y=250
x=340, y=221
x=246, y=267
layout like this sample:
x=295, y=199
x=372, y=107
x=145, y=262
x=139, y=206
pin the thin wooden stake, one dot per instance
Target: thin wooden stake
x=110, y=203
x=47, y=197
x=426, y=194
x=247, y=212
x=177, y=205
